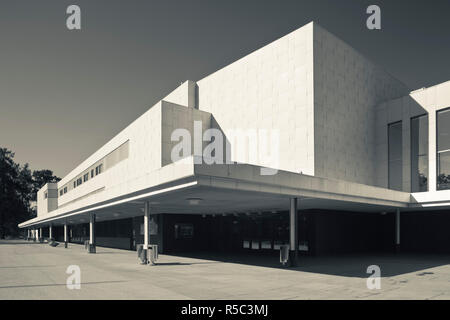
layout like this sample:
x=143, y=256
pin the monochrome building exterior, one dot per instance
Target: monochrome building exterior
x=346, y=159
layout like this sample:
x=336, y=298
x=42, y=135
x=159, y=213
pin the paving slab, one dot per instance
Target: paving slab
x=37, y=271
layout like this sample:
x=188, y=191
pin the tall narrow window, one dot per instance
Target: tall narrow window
x=443, y=149
x=419, y=154
x=395, y=165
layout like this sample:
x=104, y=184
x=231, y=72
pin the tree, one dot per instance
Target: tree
x=40, y=178
x=17, y=188
x=14, y=192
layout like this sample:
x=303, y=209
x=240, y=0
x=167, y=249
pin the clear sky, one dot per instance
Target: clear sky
x=63, y=94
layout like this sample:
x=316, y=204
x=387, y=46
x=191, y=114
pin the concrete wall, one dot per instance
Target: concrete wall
x=323, y=98
x=149, y=148
x=183, y=95
x=269, y=89
x=175, y=117
x=144, y=136
x=347, y=87
x=144, y=156
x=46, y=205
x=419, y=102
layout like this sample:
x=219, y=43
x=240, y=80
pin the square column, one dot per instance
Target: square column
x=50, y=232
x=92, y=233
x=293, y=230
x=41, y=239
x=397, y=230
x=65, y=235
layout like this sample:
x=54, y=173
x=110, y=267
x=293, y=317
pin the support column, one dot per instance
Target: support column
x=41, y=239
x=397, y=230
x=65, y=235
x=293, y=229
x=146, y=229
x=92, y=234
x=50, y=232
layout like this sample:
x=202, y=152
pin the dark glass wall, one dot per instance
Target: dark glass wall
x=443, y=149
x=115, y=233
x=425, y=232
x=78, y=233
x=395, y=163
x=419, y=154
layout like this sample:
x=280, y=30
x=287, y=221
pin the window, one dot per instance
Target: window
x=395, y=165
x=92, y=173
x=65, y=189
x=45, y=195
x=86, y=177
x=74, y=184
x=61, y=192
x=79, y=181
x=98, y=169
x=419, y=154
x=443, y=149
x=184, y=231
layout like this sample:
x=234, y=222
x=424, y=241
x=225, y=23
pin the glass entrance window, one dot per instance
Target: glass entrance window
x=395, y=163
x=443, y=149
x=419, y=154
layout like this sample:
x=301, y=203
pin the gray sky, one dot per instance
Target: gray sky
x=63, y=94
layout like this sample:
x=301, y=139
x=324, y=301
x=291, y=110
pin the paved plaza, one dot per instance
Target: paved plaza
x=37, y=271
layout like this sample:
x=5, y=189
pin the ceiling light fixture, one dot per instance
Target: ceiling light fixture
x=194, y=201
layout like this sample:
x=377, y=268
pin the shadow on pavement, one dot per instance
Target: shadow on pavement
x=354, y=265
x=346, y=265
x=182, y=263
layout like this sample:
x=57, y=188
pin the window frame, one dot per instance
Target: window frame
x=388, y=154
x=428, y=153
x=437, y=147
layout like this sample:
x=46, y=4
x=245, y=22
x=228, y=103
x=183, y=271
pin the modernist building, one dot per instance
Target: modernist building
x=362, y=163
